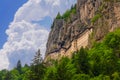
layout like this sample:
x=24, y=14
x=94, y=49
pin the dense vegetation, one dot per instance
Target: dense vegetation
x=67, y=14
x=101, y=62
x=95, y=18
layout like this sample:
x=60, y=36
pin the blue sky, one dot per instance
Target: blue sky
x=24, y=28
x=7, y=11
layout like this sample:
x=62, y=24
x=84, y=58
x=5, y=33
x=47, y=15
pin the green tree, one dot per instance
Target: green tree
x=8, y=76
x=37, y=67
x=58, y=16
x=102, y=60
x=19, y=66
x=65, y=69
x=15, y=74
x=81, y=77
x=51, y=73
x=101, y=77
x=81, y=61
x=37, y=58
x=3, y=74
x=116, y=76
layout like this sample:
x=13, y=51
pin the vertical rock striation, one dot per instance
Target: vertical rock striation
x=92, y=16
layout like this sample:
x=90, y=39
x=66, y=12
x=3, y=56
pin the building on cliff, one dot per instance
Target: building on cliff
x=91, y=22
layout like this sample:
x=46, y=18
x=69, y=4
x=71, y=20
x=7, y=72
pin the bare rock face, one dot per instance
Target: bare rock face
x=66, y=37
x=63, y=34
x=87, y=9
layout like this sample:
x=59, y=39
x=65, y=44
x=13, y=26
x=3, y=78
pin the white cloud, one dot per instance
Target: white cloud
x=53, y=2
x=24, y=36
x=31, y=11
x=3, y=60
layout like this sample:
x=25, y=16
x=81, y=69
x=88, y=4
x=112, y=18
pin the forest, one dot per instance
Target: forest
x=101, y=62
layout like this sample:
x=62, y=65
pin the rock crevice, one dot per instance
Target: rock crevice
x=67, y=37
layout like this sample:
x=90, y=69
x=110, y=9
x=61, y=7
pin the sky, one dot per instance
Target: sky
x=7, y=11
x=24, y=28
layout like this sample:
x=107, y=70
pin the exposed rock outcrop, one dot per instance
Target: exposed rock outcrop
x=92, y=16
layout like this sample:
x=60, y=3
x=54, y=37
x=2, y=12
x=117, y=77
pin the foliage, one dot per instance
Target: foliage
x=67, y=14
x=65, y=70
x=37, y=58
x=37, y=69
x=95, y=18
x=51, y=74
x=58, y=16
x=81, y=61
x=101, y=62
x=112, y=0
x=81, y=77
x=19, y=66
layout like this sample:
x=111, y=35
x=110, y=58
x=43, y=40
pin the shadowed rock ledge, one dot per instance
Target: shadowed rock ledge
x=92, y=21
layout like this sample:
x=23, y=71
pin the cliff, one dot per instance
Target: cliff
x=92, y=20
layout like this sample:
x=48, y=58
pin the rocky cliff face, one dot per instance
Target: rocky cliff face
x=92, y=21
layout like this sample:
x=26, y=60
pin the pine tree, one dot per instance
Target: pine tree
x=37, y=67
x=19, y=66
x=58, y=16
x=81, y=61
x=8, y=76
x=37, y=58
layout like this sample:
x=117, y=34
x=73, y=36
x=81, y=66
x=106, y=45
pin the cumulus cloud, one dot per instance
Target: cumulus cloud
x=25, y=34
x=3, y=60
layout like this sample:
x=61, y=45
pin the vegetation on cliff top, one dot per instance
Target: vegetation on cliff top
x=67, y=14
x=101, y=62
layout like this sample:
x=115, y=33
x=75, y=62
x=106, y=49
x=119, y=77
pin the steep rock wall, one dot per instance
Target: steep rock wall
x=76, y=44
x=67, y=37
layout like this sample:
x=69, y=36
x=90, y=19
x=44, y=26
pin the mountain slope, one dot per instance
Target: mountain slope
x=92, y=20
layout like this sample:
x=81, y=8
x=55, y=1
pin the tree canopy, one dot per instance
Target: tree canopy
x=101, y=62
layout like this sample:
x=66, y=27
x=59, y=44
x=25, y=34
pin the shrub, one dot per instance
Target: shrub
x=96, y=17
